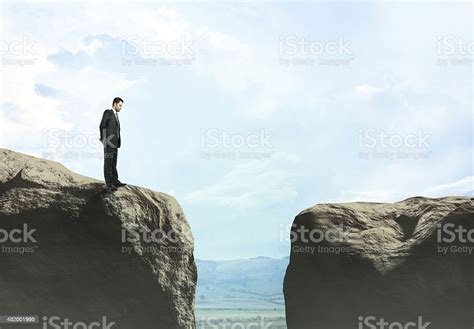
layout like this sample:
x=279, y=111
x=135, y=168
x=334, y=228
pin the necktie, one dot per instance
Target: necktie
x=118, y=124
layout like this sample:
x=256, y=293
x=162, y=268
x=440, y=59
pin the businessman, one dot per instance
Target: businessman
x=110, y=138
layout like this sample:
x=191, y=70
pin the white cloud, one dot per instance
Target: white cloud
x=252, y=184
x=91, y=48
x=25, y=113
x=222, y=41
x=366, y=90
x=461, y=187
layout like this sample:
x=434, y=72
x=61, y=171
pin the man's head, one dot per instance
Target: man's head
x=117, y=104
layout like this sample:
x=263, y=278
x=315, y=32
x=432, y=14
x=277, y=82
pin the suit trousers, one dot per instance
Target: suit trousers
x=110, y=165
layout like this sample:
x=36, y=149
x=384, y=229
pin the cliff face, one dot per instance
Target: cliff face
x=396, y=262
x=69, y=250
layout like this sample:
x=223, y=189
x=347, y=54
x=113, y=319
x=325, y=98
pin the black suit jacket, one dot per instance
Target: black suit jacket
x=110, y=130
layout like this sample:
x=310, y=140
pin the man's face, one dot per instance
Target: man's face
x=118, y=106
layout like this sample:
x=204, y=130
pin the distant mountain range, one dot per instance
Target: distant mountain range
x=242, y=283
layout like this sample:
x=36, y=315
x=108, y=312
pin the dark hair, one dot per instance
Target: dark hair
x=117, y=100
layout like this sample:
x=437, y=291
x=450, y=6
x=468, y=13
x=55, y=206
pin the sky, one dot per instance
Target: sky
x=247, y=113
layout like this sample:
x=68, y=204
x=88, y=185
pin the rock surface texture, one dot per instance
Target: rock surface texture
x=68, y=250
x=353, y=264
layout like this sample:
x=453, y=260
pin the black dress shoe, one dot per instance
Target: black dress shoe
x=110, y=188
x=120, y=184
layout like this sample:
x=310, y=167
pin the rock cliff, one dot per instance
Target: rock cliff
x=70, y=251
x=354, y=264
